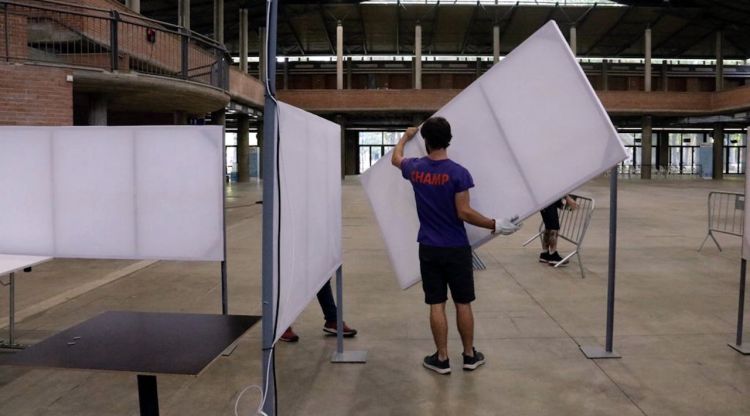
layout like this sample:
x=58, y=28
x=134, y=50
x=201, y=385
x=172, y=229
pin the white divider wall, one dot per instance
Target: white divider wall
x=112, y=192
x=529, y=130
x=310, y=207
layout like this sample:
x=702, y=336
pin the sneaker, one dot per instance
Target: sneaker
x=555, y=259
x=289, y=336
x=544, y=257
x=330, y=328
x=433, y=363
x=471, y=363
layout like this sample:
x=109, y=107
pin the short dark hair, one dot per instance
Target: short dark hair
x=437, y=133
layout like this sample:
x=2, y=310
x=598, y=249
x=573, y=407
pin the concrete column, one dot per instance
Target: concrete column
x=339, y=56
x=664, y=77
x=243, y=40
x=98, y=110
x=218, y=21
x=418, y=56
x=605, y=75
x=219, y=118
x=495, y=44
x=646, y=148
x=718, y=151
x=647, y=61
x=134, y=5
x=262, y=54
x=341, y=122
x=183, y=8
x=573, y=40
x=243, y=148
x=719, y=62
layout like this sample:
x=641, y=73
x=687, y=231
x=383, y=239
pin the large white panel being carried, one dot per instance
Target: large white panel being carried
x=309, y=207
x=112, y=192
x=529, y=130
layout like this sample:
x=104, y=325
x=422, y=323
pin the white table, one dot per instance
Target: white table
x=10, y=264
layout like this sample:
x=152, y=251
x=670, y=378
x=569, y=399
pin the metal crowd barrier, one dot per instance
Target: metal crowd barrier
x=476, y=261
x=573, y=227
x=726, y=215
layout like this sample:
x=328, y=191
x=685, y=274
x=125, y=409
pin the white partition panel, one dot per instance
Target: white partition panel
x=529, y=130
x=112, y=192
x=309, y=207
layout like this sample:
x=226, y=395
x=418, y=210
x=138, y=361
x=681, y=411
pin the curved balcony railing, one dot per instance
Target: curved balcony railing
x=57, y=33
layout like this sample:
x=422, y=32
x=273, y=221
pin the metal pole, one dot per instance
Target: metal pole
x=594, y=352
x=12, y=311
x=113, y=41
x=741, y=307
x=612, y=257
x=339, y=310
x=224, y=286
x=269, y=202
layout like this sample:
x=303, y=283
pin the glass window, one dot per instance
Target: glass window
x=391, y=137
x=369, y=137
x=230, y=139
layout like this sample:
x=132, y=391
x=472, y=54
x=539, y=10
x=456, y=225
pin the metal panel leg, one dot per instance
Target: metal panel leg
x=341, y=356
x=580, y=264
x=741, y=312
x=593, y=352
x=11, y=315
x=148, y=398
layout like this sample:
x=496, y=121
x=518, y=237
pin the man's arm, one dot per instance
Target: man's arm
x=468, y=214
x=398, y=152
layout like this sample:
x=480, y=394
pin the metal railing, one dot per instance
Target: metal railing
x=726, y=215
x=573, y=227
x=56, y=33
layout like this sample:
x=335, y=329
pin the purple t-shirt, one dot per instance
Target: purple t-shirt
x=436, y=183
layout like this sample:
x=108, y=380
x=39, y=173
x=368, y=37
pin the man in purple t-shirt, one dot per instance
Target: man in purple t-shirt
x=441, y=188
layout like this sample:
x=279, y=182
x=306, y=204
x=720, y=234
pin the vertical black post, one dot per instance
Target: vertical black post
x=12, y=310
x=148, y=398
x=741, y=306
x=339, y=310
x=269, y=269
x=113, y=40
x=224, y=287
x=612, y=257
x=184, y=52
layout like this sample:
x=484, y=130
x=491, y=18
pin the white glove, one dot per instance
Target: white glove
x=506, y=226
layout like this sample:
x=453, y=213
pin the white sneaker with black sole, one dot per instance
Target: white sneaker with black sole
x=472, y=363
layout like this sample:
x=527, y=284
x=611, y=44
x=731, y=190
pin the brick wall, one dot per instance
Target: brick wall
x=35, y=96
x=17, y=38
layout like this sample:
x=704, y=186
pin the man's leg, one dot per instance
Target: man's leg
x=545, y=240
x=465, y=323
x=439, y=326
x=327, y=304
x=551, y=240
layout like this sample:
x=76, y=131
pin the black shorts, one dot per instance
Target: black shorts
x=551, y=217
x=444, y=267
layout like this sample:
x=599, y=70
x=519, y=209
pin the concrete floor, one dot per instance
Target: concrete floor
x=675, y=312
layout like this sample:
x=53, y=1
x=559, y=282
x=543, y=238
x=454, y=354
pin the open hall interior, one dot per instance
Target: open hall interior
x=672, y=77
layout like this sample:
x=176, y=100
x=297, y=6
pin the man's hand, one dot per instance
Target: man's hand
x=410, y=133
x=506, y=226
x=398, y=152
x=570, y=203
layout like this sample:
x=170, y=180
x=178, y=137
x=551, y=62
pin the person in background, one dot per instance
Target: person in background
x=328, y=305
x=551, y=220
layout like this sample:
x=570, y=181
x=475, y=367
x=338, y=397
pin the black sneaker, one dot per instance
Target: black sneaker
x=471, y=363
x=544, y=257
x=433, y=363
x=555, y=259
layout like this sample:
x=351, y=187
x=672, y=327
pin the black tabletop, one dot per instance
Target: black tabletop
x=142, y=342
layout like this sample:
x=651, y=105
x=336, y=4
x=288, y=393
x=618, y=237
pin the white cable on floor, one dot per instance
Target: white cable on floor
x=259, y=410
